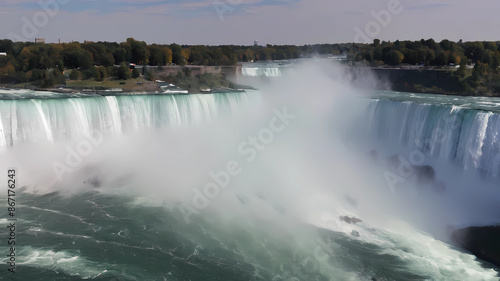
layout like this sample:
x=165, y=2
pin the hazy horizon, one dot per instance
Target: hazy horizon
x=240, y=22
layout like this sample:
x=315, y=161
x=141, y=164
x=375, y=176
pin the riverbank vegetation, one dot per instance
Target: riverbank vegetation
x=472, y=67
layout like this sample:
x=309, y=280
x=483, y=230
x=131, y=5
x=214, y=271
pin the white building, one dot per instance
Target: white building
x=3, y=54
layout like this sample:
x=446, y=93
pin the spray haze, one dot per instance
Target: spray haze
x=269, y=179
x=304, y=171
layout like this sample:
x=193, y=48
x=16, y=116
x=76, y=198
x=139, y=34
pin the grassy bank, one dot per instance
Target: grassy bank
x=194, y=84
x=135, y=84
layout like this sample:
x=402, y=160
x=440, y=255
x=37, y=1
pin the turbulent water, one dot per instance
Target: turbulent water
x=154, y=199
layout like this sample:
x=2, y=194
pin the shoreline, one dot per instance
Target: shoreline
x=423, y=80
x=73, y=92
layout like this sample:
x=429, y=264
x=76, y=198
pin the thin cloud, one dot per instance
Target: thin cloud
x=430, y=6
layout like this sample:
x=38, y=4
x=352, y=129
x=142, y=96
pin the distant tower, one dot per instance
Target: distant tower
x=255, y=43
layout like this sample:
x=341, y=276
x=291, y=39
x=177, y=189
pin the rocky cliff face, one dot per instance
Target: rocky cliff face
x=484, y=242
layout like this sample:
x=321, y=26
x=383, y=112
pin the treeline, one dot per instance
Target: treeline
x=45, y=63
x=480, y=78
x=27, y=62
x=426, y=52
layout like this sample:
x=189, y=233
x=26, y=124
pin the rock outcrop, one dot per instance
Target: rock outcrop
x=349, y=219
x=482, y=241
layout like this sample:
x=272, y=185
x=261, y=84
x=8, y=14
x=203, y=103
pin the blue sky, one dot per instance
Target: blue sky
x=242, y=21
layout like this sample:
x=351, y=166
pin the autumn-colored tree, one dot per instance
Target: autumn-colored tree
x=394, y=57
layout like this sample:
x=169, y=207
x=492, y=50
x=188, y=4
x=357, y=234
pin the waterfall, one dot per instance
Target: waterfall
x=261, y=71
x=23, y=120
x=465, y=136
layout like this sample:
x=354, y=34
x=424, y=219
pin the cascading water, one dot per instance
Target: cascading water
x=261, y=71
x=266, y=69
x=464, y=136
x=66, y=119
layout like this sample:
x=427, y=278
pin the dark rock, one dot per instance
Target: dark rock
x=424, y=174
x=355, y=233
x=482, y=241
x=349, y=220
x=421, y=174
x=93, y=181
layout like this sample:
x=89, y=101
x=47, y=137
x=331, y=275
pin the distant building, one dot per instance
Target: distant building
x=40, y=40
x=88, y=42
x=3, y=54
x=255, y=43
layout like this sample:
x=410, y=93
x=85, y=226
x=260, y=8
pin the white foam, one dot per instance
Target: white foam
x=63, y=261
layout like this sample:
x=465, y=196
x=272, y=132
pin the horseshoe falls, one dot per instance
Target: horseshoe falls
x=466, y=135
x=54, y=119
x=285, y=183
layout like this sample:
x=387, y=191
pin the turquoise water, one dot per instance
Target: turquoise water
x=60, y=119
x=460, y=130
x=99, y=236
x=122, y=217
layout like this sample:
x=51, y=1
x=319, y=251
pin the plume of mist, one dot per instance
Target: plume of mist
x=309, y=173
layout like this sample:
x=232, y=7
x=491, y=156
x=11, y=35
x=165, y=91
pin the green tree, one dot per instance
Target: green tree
x=139, y=51
x=103, y=72
x=491, y=46
x=462, y=71
x=59, y=76
x=446, y=45
x=91, y=73
x=21, y=77
x=159, y=55
x=488, y=57
x=107, y=60
x=474, y=50
x=123, y=72
x=151, y=75
x=76, y=57
x=177, y=56
x=135, y=73
x=49, y=81
x=25, y=59
x=75, y=75
x=496, y=62
x=440, y=58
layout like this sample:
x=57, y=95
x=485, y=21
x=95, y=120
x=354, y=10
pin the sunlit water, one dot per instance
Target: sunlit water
x=152, y=200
